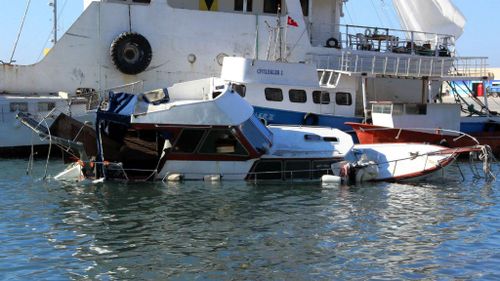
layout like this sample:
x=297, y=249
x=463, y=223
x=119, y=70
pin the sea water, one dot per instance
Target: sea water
x=446, y=229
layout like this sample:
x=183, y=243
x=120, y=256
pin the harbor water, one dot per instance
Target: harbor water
x=448, y=229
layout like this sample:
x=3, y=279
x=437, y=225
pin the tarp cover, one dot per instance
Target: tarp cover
x=434, y=16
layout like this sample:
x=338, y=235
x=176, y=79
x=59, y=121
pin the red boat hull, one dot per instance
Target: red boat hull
x=370, y=134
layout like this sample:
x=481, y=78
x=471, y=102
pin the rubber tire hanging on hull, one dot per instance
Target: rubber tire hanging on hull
x=131, y=53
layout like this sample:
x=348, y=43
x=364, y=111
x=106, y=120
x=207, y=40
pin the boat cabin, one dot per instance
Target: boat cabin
x=415, y=115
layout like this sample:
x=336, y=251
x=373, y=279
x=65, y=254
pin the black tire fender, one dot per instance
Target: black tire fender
x=332, y=43
x=131, y=53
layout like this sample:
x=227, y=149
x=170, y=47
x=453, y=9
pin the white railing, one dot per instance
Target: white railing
x=390, y=64
x=380, y=39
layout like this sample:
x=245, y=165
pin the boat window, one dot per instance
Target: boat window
x=216, y=94
x=342, y=98
x=188, y=140
x=382, y=108
x=46, y=106
x=397, y=109
x=298, y=169
x=257, y=134
x=330, y=139
x=273, y=94
x=238, y=5
x=305, y=7
x=18, y=106
x=415, y=109
x=222, y=142
x=297, y=96
x=321, y=97
x=240, y=89
x=271, y=6
x=268, y=170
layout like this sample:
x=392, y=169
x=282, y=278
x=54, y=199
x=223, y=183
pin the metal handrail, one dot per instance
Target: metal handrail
x=402, y=65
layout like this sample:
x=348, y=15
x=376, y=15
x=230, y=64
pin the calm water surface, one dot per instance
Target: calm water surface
x=240, y=231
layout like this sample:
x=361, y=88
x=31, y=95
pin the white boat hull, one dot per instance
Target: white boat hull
x=400, y=161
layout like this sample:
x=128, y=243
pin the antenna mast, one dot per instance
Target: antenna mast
x=54, y=6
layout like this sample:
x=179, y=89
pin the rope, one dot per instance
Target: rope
x=48, y=152
x=487, y=157
x=20, y=31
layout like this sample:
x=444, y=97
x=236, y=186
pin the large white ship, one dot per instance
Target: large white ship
x=161, y=42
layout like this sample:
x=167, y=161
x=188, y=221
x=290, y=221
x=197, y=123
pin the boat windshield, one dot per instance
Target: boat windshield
x=257, y=134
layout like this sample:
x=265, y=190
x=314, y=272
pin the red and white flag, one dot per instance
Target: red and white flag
x=292, y=22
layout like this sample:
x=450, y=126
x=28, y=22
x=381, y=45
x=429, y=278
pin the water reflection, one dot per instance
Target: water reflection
x=185, y=231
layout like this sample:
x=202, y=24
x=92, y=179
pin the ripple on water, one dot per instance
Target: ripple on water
x=196, y=230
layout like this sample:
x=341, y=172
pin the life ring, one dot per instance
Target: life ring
x=310, y=119
x=332, y=43
x=368, y=32
x=131, y=53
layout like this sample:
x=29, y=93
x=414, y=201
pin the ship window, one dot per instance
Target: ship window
x=188, y=140
x=271, y=6
x=342, y=98
x=297, y=96
x=142, y=1
x=268, y=170
x=240, y=89
x=18, y=106
x=415, y=109
x=321, y=97
x=397, y=109
x=305, y=7
x=382, y=108
x=222, y=142
x=273, y=94
x=238, y=5
x=46, y=106
x=297, y=170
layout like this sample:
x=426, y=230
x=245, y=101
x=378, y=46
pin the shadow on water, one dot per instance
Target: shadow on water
x=239, y=230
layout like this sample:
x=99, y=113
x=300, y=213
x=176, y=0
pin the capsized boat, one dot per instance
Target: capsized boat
x=403, y=162
x=184, y=133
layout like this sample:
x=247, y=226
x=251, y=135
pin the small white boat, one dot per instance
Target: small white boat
x=400, y=161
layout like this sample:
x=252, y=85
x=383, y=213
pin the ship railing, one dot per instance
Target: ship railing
x=95, y=97
x=381, y=39
x=387, y=64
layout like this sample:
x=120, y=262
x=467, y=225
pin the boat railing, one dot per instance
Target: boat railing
x=96, y=97
x=381, y=39
x=387, y=64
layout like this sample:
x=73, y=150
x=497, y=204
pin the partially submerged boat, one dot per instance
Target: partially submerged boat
x=181, y=132
x=402, y=161
x=186, y=132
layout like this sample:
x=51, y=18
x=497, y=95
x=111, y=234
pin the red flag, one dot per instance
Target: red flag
x=291, y=22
